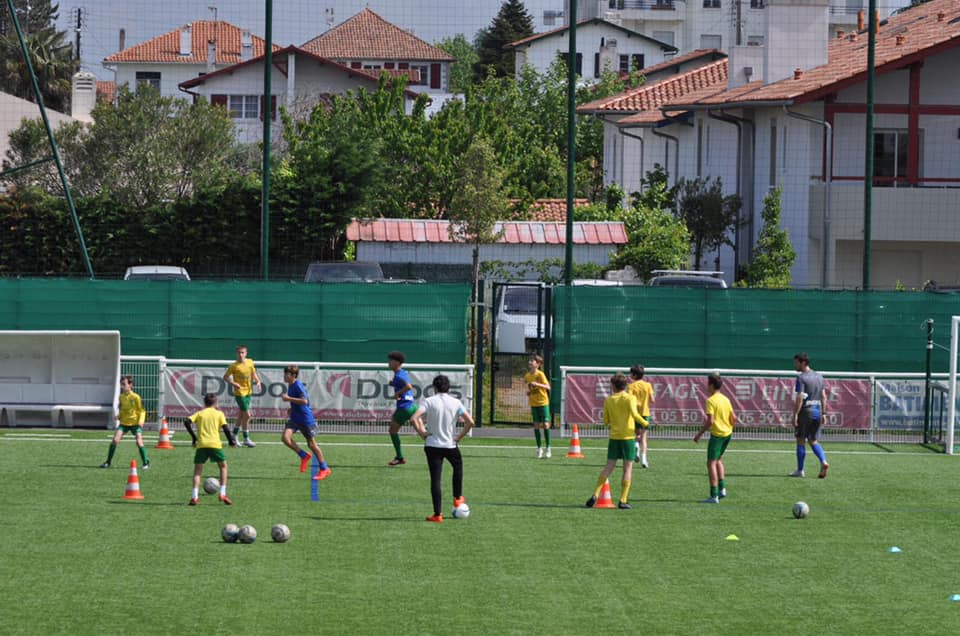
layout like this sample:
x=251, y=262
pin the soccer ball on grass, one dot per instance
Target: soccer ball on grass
x=211, y=486
x=461, y=512
x=280, y=533
x=801, y=510
x=230, y=533
x=247, y=534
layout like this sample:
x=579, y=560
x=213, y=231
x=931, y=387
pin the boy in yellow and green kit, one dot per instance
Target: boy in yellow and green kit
x=538, y=394
x=242, y=375
x=621, y=413
x=130, y=418
x=719, y=419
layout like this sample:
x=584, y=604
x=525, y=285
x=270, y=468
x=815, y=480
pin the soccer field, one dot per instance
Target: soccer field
x=79, y=558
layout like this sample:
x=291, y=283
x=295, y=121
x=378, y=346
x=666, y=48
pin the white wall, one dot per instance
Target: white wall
x=171, y=75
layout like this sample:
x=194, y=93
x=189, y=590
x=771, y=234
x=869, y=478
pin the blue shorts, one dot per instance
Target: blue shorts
x=309, y=430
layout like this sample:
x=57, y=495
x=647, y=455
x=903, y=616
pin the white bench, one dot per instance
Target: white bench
x=59, y=378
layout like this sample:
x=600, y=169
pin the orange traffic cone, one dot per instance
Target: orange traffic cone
x=575, y=444
x=164, y=443
x=133, y=483
x=605, y=501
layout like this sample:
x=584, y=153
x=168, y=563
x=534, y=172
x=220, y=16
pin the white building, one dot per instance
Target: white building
x=801, y=127
x=601, y=45
x=193, y=50
x=712, y=24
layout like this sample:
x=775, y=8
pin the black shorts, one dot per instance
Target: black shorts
x=808, y=427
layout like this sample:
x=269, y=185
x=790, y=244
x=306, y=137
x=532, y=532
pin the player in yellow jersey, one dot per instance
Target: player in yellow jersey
x=622, y=414
x=538, y=395
x=719, y=420
x=210, y=421
x=644, y=392
x=242, y=375
x=130, y=418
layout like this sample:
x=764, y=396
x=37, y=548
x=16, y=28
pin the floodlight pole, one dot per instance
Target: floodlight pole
x=571, y=140
x=53, y=142
x=267, y=121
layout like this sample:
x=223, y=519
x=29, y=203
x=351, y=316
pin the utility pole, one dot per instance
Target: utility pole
x=77, y=29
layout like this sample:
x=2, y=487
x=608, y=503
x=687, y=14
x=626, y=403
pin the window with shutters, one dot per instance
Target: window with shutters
x=421, y=76
x=148, y=78
x=243, y=106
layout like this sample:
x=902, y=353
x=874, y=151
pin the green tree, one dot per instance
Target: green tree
x=461, y=71
x=658, y=239
x=513, y=22
x=478, y=202
x=708, y=215
x=50, y=54
x=774, y=255
x=146, y=149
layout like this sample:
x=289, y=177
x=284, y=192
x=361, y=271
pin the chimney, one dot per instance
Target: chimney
x=211, y=55
x=840, y=34
x=797, y=73
x=246, y=45
x=853, y=36
x=941, y=16
x=860, y=20
x=83, y=96
x=186, y=46
x=123, y=39
x=797, y=35
x=900, y=39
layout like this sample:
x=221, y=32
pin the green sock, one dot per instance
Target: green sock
x=143, y=455
x=723, y=484
x=395, y=438
x=536, y=433
x=236, y=430
x=246, y=435
x=714, y=491
x=546, y=436
x=113, y=449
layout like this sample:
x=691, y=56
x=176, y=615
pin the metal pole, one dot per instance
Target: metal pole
x=267, y=121
x=53, y=142
x=868, y=167
x=478, y=387
x=926, y=384
x=952, y=404
x=571, y=140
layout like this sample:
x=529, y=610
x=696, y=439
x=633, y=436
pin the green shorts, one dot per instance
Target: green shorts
x=716, y=446
x=540, y=414
x=403, y=414
x=625, y=449
x=211, y=454
x=136, y=429
x=243, y=402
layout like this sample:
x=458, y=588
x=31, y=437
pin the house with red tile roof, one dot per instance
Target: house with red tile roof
x=428, y=242
x=601, y=45
x=195, y=49
x=367, y=42
x=797, y=121
x=299, y=82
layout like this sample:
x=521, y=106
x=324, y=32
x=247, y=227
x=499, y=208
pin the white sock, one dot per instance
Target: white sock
x=223, y=490
x=196, y=493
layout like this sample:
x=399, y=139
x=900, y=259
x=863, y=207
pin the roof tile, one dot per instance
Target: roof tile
x=514, y=232
x=166, y=48
x=367, y=36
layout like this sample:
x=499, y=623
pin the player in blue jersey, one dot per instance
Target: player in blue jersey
x=405, y=409
x=301, y=419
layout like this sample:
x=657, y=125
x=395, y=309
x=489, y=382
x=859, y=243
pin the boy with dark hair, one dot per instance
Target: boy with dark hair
x=442, y=411
x=538, y=392
x=301, y=419
x=210, y=421
x=622, y=414
x=719, y=420
x=242, y=375
x=809, y=407
x=130, y=418
x=403, y=392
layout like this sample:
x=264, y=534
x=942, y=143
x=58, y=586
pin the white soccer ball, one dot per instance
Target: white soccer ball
x=800, y=510
x=280, y=533
x=230, y=533
x=247, y=534
x=211, y=486
x=461, y=512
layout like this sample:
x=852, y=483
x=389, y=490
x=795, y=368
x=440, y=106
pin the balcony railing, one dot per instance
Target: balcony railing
x=665, y=5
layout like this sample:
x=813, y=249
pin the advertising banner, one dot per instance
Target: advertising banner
x=679, y=400
x=363, y=395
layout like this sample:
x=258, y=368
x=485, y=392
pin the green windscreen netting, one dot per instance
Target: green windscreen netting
x=277, y=321
x=748, y=329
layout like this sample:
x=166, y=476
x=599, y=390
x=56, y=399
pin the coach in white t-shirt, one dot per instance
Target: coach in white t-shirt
x=436, y=422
